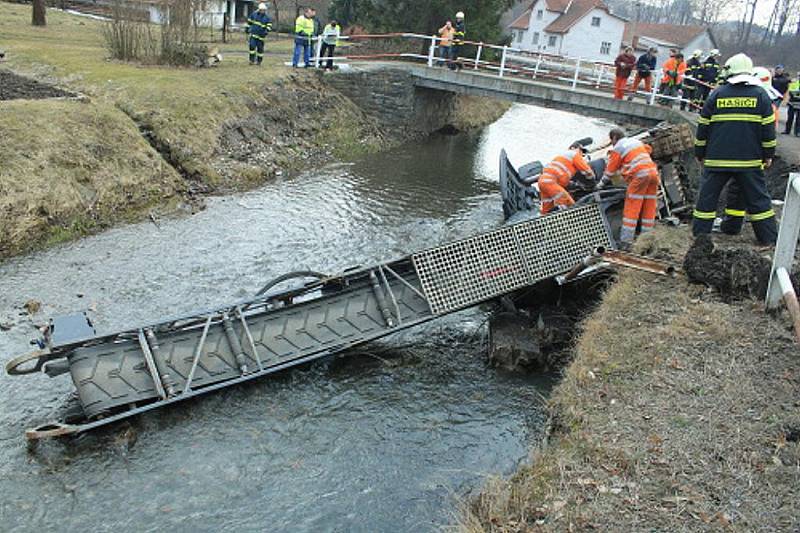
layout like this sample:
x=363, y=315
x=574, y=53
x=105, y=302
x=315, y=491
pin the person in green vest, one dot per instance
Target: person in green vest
x=793, y=109
x=303, y=34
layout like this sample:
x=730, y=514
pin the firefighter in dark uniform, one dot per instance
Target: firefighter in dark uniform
x=691, y=90
x=709, y=74
x=258, y=25
x=458, y=41
x=735, y=142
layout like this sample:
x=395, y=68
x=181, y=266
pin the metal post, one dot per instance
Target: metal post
x=318, y=53
x=432, y=51
x=503, y=61
x=654, y=91
x=787, y=241
x=577, y=70
x=536, y=69
x=478, y=55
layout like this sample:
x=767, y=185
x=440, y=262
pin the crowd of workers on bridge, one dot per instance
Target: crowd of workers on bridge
x=691, y=81
x=735, y=142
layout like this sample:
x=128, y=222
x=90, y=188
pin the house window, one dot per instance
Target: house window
x=519, y=36
x=596, y=21
x=539, y=14
x=536, y=37
x=605, y=48
x=552, y=41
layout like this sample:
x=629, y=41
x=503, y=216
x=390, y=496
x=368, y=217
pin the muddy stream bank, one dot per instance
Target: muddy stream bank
x=386, y=439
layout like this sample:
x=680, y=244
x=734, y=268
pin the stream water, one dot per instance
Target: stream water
x=388, y=439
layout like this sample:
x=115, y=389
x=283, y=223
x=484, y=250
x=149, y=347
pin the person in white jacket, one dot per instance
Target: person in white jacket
x=330, y=38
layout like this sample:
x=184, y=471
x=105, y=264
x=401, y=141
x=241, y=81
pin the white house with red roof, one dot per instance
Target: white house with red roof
x=575, y=28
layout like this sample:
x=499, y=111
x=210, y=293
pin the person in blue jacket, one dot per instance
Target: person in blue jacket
x=258, y=26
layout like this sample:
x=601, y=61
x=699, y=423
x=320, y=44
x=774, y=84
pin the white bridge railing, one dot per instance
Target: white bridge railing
x=507, y=61
x=780, y=284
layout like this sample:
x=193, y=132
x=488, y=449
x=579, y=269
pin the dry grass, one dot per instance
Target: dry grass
x=673, y=416
x=74, y=173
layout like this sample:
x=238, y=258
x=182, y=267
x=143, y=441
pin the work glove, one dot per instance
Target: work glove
x=602, y=184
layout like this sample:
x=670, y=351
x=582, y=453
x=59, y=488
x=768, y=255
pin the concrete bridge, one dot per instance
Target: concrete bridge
x=422, y=93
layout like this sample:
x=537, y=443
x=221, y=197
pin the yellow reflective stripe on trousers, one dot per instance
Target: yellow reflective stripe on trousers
x=705, y=215
x=256, y=37
x=769, y=144
x=731, y=163
x=735, y=213
x=762, y=216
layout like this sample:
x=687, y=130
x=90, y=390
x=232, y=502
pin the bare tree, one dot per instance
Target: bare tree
x=39, y=13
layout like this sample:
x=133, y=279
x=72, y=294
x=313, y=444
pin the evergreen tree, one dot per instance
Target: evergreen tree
x=423, y=16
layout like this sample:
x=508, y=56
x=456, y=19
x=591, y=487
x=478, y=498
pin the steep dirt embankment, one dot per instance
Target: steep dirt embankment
x=679, y=411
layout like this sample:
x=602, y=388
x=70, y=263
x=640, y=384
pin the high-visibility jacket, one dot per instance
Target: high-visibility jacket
x=673, y=71
x=736, y=128
x=631, y=158
x=304, y=27
x=460, y=33
x=446, y=35
x=330, y=35
x=794, y=92
x=259, y=24
x=564, y=166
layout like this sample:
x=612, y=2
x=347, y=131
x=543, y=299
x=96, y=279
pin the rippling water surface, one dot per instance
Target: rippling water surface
x=386, y=439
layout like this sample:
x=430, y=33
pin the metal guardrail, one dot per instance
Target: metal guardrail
x=514, y=62
x=780, y=284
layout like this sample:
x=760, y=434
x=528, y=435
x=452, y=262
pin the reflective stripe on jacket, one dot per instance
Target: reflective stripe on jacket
x=330, y=35
x=563, y=166
x=461, y=32
x=259, y=24
x=631, y=157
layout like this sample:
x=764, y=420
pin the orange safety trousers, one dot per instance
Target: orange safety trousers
x=641, y=203
x=553, y=194
x=620, y=86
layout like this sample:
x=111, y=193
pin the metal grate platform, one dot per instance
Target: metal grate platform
x=467, y=272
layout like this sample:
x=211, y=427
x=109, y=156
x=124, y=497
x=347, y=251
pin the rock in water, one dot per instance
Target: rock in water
x=514, y=342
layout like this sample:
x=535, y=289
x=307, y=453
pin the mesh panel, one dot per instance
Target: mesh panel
x=473, y=270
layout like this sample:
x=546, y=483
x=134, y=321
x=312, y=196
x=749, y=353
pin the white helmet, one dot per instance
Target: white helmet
x=763, y=75
x=460, y=15
x=714, y=52
x=739, y=64
x=697, y=53
x=262, y=6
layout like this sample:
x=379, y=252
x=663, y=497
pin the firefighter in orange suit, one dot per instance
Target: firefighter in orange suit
x=631, y=158
x=557, y=175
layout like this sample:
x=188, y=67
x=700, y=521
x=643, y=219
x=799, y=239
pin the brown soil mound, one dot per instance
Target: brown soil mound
x=14, y=87
x=736, y=271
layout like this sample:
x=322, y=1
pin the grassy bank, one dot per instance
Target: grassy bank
x=679, y=412
x=68, y=168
